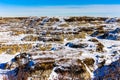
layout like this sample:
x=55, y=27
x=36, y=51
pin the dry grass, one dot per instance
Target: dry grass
x=17, y=32
x=30, y=38
x=45, y=47
x=73, y=36
x=81, y=35
x=2, y=21
x=12, y=49
x=41, y=74
x=64, y=25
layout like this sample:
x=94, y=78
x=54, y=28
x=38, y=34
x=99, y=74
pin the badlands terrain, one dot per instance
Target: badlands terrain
x=59, y=48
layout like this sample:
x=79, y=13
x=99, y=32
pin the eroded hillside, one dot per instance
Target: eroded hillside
x=61, y=48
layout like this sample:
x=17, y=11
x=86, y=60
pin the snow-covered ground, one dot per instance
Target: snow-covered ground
x=103, y=51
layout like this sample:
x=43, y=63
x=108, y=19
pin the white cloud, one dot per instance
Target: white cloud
x=85, y=10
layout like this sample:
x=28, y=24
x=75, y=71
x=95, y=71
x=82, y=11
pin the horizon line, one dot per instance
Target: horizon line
x=73, y=10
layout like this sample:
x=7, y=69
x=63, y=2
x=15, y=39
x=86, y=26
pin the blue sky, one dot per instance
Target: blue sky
x=56, y=2
x=60, y=8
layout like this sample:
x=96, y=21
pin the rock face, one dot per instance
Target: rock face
x=67, y=69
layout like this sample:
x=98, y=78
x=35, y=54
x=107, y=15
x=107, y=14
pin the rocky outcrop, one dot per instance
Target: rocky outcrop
x=23, y=66
x=106, y=72
x=67, y=69
x=110, y=35
x=78, y=45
